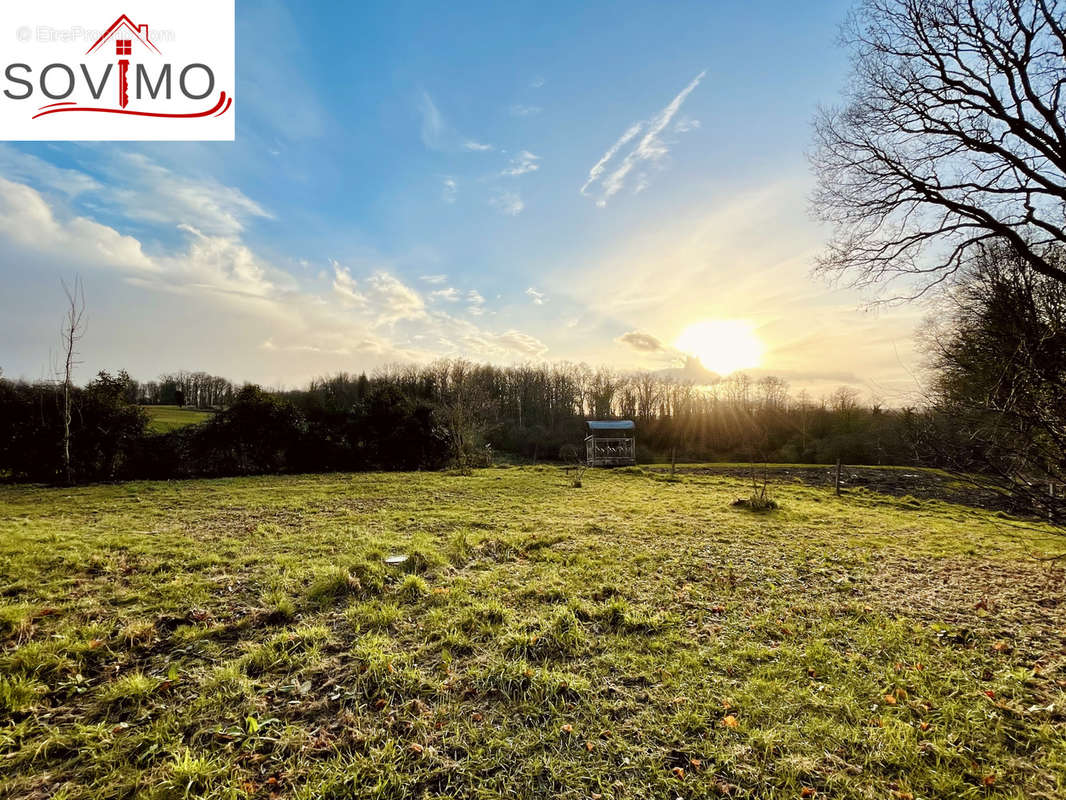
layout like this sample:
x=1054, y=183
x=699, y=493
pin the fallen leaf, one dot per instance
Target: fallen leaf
x=679, y=772
x=695, y=762
x=924, y=726
x=808, y=791
x=890, y=699
x=567, y=728
x=416, y=747
x=476, y=716
x=730, y=721
x=589, y=746
x=988, y=780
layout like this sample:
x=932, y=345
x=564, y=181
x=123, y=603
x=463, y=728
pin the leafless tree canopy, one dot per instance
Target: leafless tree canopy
x=951, y=133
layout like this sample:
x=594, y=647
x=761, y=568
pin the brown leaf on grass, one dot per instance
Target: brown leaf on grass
x=695, y=762
x=679, y=773
x=476, y=716
x=924, y=726
x=890, y=699
x=903, y=795
x=416, y=747
x=730, y=721
x=808, y=791
x=568, y=728
x=589, y=746
x=988, y=780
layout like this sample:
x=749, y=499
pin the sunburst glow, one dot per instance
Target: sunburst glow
x=722, y=345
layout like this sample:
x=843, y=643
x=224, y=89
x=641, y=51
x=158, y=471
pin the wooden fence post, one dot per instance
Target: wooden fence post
x=838, y=478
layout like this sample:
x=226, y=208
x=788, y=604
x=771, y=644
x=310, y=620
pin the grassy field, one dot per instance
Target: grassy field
x=634, y=638
x=164, y=419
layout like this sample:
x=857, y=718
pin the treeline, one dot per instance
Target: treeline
x=449, y=413
x=535, y=410
x=258, y=432
x=196, y=389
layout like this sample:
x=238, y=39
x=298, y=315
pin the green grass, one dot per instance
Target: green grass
x=164, y=419
x=635, y=638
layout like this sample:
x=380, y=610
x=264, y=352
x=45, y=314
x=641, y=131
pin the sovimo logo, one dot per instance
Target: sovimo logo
x=169, y=75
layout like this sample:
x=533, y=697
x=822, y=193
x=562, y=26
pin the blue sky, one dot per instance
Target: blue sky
x=504, y=182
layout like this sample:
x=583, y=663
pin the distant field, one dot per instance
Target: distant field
x=164, y=419
x=634, y=638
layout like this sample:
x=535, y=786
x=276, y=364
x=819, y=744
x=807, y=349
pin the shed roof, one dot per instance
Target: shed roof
x=612, y=425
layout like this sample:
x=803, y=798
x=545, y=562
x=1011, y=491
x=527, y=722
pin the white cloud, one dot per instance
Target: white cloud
x=345, y=286
x=439, y=134
x=28, y=168
x=451, y=188
x=30, y=226
x=149, y=192
x=522, y=343
x=476, y=303
x=649, y=150
x=450, y=294
x=393, y=300
x=537, y=297
x=536, y=82
x=374, y=317
x=433, y=126
x=509, y=203
x=524, y=162
x=519, y=110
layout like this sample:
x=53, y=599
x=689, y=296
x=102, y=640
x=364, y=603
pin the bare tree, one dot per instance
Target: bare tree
x=952, y=134
x=71, y=332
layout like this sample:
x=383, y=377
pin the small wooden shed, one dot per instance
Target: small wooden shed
x=611, y=443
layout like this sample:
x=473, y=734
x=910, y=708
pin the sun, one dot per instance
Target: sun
x=722, y=345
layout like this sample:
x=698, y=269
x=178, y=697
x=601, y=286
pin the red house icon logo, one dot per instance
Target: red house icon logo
x=124, y=33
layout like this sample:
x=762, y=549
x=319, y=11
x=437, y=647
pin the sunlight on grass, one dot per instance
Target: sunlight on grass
x=634, y=638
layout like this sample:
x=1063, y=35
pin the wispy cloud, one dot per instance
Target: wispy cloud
x=522, y=343
x=608, y=177
x=450, y=294
x=509, y=203
x=439, y=134
x=393, y=299
x=476, y=303
x=345, y=286
x=538, y=298
x=434, y=279
x=450, y=189
x=536, y=82
x=522, y=163
x=519, y=110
